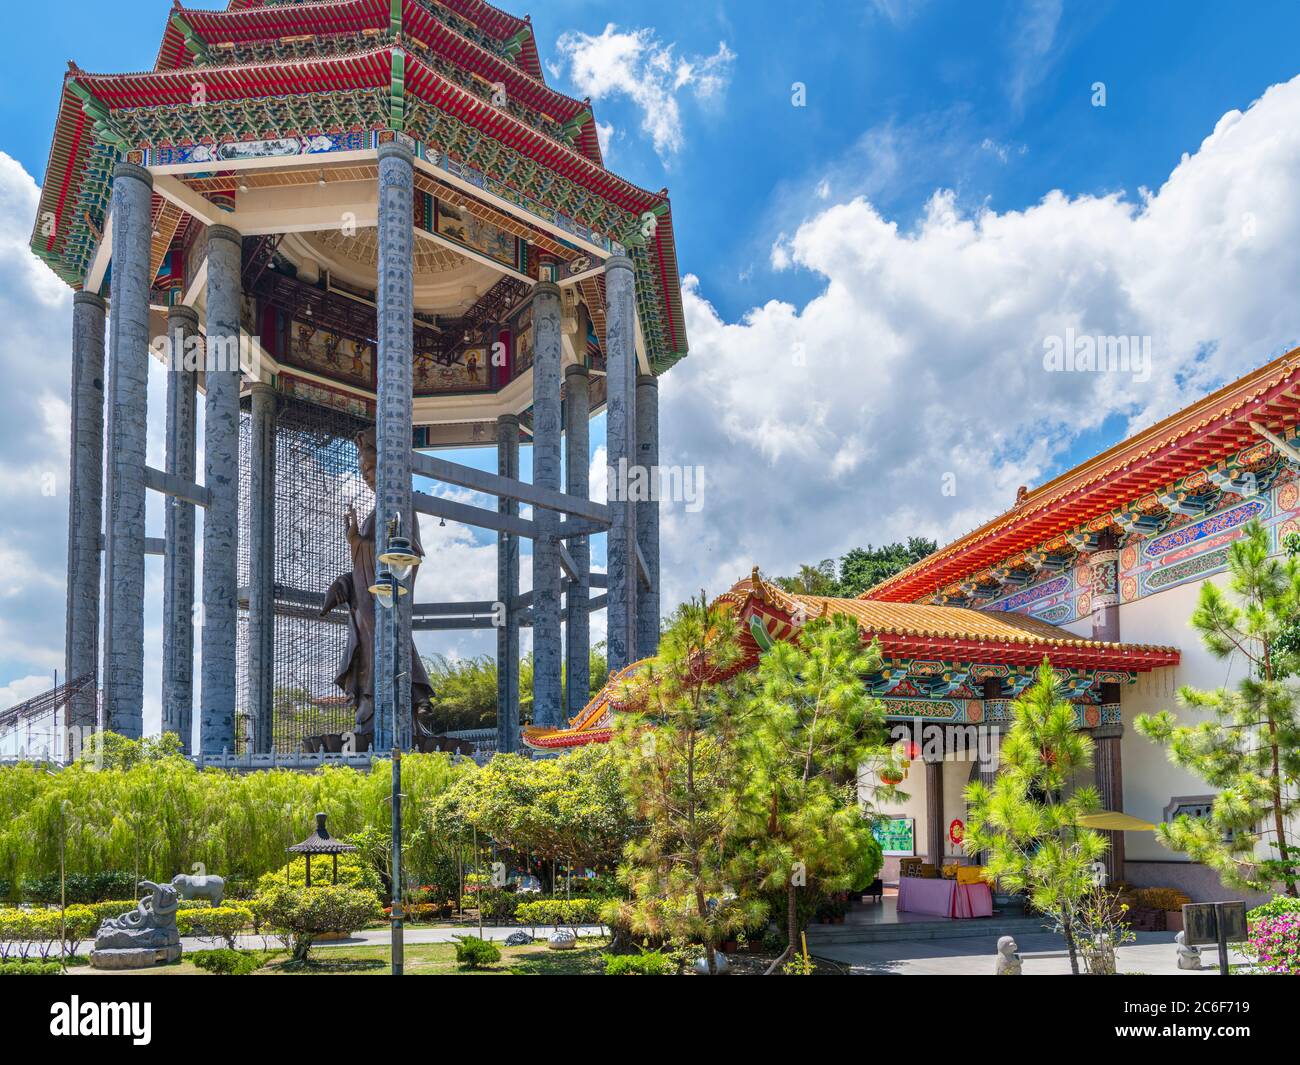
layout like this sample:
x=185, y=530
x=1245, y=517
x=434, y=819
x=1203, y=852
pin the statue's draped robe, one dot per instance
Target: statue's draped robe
x=356, y=675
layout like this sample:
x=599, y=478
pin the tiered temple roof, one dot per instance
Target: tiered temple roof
x=931, y=641
x=459, y=77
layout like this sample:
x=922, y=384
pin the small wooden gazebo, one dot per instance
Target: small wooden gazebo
x=320, y=842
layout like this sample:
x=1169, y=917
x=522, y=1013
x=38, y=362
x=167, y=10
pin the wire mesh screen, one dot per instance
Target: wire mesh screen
x=316, y=478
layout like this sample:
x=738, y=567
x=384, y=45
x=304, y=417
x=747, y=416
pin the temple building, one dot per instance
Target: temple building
x=1099, y=571
x=356, y=232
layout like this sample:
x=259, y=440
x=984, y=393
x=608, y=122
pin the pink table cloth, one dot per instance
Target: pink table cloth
x=944, y=898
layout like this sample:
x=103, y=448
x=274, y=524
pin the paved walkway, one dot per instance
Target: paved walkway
x=1044, y=953
x=410, y=934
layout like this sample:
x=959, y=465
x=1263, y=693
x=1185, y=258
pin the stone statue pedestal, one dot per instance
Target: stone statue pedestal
x=119, y=958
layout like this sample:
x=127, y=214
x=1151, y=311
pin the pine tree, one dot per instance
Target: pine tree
x=1250, y=748
x=676, y=750
x=812, y=728
x=1027, y=821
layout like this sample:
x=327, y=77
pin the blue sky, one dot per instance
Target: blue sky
x=874, y=272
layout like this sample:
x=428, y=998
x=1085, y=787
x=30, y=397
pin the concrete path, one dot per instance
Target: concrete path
x=410, y=934
x=1043, y=953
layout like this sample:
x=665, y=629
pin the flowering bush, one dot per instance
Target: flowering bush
x=1274, y=944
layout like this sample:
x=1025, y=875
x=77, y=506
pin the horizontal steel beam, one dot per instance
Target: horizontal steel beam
x=481, y=518
x=169, y=484
x=494, y=484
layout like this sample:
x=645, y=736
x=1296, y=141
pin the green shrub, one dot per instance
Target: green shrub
x=298, y=915
x=226, y=962
x=494, y=904
x=650, y=963
x=30, y=968
x=472, y=952
x=1278, y=906
x=81, y=887
x=216, y=922
x=557, y=912
x=354, y=871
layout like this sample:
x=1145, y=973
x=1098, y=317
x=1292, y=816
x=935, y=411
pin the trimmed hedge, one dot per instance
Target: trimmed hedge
x=81, y=887
x=30, y=968
x=557, y=912
x=216, y=922
x=650, y=963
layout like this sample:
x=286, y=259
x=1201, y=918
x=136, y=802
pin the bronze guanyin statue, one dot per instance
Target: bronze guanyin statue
x=356, y=674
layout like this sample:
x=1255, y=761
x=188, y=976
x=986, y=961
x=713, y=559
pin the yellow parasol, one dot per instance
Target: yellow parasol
x=1114, y=821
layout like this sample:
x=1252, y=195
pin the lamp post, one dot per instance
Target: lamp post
x=399, y=558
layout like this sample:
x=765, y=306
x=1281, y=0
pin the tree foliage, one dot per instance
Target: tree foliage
x=812, y=727
x=859, y=569
x=158, y=814
x=1249, y=749
x=1026, y=821
x=678, y=755
x=570, y=810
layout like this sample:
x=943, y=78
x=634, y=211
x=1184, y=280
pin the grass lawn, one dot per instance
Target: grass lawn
x=422, y=959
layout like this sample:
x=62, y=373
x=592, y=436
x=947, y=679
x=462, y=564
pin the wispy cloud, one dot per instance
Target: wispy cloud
x=635, y=64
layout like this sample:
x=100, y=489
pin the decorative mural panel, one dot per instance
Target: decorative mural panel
x=1197, y=548
x=325, y=396
x=469, y=375
x=1052, y=599
x=461, y=227
x=269, y=148
x=522, y=330
x=329, y=354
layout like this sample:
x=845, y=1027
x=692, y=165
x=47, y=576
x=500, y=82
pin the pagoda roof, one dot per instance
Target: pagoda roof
x=287, y=21
x=491, y=20
x=416, y=53
x=1194, y=438
x=901, y=630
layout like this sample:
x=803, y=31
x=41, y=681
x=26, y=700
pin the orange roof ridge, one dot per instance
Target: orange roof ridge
x=1124, y=455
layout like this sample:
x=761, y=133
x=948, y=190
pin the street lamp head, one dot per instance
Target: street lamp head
x=401, y=556
x=387, y=589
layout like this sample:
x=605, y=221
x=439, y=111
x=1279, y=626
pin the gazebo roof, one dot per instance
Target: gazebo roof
x=321, y=842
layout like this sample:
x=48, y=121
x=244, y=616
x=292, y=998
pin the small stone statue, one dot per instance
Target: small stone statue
x=518, y=939
x=562, y=939
x=720, y=964
x=1188, y=957
x=202, y=886
x=1008, y=960
x=142, y=937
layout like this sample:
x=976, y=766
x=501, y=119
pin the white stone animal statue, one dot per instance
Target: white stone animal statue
x=1008, y=959
x=1188, y=957
x=202, y=886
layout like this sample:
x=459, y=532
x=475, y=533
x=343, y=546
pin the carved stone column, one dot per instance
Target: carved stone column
x=620, y=431
x=85, y=505
x=178, y=549
x=221, y=379
x=393, y=493
x=548, y=707
x=507, y=591
x=577, y=477
x=647, y=514
x=127, y=420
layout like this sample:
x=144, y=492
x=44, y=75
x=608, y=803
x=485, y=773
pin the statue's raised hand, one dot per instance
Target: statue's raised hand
x=352, y=529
